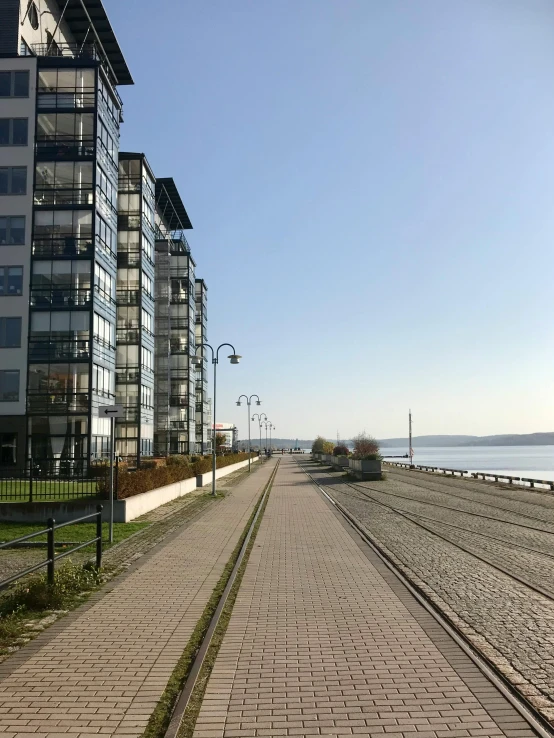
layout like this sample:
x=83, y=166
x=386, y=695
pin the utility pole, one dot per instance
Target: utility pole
x=411, y=451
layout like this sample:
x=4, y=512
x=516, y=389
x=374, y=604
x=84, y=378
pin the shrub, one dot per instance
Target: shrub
x=317, y=445
x=366, y=447
x=341, y=450
x=178, y=460
x=204, y=463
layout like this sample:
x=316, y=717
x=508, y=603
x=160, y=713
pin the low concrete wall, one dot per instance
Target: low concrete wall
x=123, y=510
x=206, y=478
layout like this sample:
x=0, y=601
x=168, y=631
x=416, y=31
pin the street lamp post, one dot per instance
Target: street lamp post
x=266, y=423
x=257, y=415
x=234, y=358
x=271, y=426
x=248, y=403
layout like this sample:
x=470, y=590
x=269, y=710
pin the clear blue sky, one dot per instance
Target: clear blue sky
x=371, y=185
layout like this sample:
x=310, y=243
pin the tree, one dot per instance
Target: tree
x=220, y=441
x=317, y=445
x=341, y=450
x=365, y=447
x=328, y=447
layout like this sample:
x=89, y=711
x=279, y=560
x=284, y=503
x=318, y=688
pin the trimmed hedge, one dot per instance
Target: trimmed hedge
x=130, y=483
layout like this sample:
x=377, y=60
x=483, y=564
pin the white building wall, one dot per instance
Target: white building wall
x=12, y=306
x=48, y=15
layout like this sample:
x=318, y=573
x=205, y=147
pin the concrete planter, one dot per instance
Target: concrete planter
x=341, y=462
x=365, y=468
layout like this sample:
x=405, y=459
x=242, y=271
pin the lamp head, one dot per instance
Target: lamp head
x=238, y=403
x=258, y=402
x=235, y=358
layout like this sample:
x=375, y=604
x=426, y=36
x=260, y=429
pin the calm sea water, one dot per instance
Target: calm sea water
x=517, y=461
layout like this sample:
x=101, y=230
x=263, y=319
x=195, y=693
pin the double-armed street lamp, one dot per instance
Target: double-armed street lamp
x=248, y=403
x=257, y=415
x=234, y=359
x=267, y=423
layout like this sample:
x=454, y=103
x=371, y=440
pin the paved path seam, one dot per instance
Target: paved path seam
x=102, y=670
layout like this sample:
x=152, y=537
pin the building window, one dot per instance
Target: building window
x=12, y=230
x=13, y=131
x=13, y=180
x=106, y=188
x=33, y=16
x=104, y=331
x=14, y=84
x=9, y=385
x=106, y=235
x=10, y=332
x=147, y=321
x=146, y=284
x=104, y=282
x=11, y=281
x=147, y=359
x=103, y=381
x=8, y=449
x=146, y=396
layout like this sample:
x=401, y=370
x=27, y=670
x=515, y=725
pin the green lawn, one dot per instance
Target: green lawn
x=17, y=490
x=78, y=533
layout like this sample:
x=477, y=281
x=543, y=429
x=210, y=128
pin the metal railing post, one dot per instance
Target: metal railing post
x=50, y=550
x=31, y=481
x=99, y=536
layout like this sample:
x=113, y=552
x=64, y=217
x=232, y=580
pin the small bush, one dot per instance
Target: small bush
x=341, y=450
x=366, y=448
x=178, y=460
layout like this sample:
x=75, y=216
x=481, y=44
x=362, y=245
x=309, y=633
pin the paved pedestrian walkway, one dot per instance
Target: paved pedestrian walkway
x=102, y=669
x=325, y=641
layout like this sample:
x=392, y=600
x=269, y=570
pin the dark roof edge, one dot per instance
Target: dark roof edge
x=167, y=193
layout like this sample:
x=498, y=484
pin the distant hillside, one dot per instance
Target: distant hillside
x=527, y=439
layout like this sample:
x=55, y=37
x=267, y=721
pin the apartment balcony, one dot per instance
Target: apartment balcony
x=50, y=404
x=179, y=425
x=43, y=350
x=127, y=375
x=129, y=221
x=127, y=259
x=64, y=246
x=129, y=184
x=60, y=149
x=56, y=298
x=128, y=297
x=178, y=298
x=49, y=197
x=179, y=400
x=179, y=348
x=128, y=335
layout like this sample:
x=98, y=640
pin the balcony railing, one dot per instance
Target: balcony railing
x=44, y=403
x=68, y=98
x=54, y=349
x=129, y=221
x=127, y=375
x=179, y=424
x=66, y=246
x=129, y=184
x=64, y=148
x=128, y=258
x=179, y=297
x=82, y=196
x=179, y=400
x=176, y=347
x=128, y=335
x=46, y=297
x=128, y=297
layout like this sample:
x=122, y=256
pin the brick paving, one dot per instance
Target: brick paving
x=102, y=669
x=324, y=640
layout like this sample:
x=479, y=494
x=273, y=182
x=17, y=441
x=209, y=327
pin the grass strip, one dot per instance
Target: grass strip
x=161, y=717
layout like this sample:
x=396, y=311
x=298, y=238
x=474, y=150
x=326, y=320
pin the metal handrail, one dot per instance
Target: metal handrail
x=49, y=531
x=484, y=476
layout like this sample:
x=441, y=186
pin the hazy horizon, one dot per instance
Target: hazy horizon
x=371, y=187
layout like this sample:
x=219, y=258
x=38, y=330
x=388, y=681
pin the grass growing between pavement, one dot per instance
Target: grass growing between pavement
x=78, y=533
x=160, y=718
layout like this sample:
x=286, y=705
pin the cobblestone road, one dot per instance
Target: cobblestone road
x=507, y=620
x=324, y=641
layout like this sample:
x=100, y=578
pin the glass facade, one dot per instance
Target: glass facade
x=135, y=308
x=72, y=326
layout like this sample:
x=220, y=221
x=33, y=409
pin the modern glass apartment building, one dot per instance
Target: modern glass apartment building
x=89, y=315
x=203, y=408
